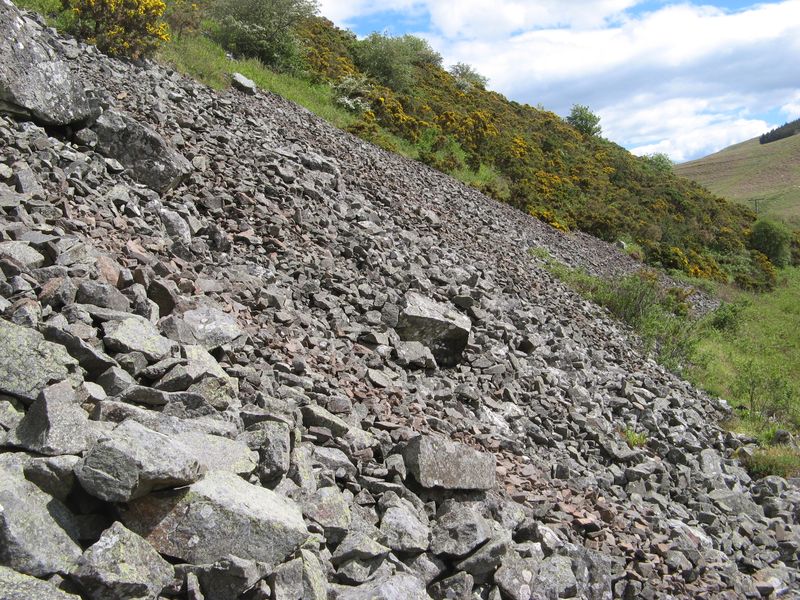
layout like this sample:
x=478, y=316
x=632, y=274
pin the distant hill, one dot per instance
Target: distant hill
x=750, y=172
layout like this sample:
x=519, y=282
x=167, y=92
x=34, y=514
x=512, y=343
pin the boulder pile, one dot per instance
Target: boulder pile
x=246, y=355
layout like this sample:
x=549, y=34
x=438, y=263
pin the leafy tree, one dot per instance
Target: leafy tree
x=659, y=162
x=262, y=29
x=584, y=120
x=120, y=27
x=467, y=77
x=391, y=60
x=184, y=16
x=772, y=239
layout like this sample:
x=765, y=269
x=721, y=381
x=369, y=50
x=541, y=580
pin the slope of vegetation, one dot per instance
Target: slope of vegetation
x=763, y=177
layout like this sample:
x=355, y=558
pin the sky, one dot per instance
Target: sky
x=683, y=78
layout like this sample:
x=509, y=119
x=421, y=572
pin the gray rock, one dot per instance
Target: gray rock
x=439, y=327
x=482, y=563
x=37, y=532
x=122, y=566
x=29, y=362
x=135, y=334
x=229, y=577
x=314, y=415
x=515, y=576
x=300, y=579
x=398, y=587
x=217, y=453
x=141, y=150
x=16, y=586
x=205, y=326
x=271, y=440
x=55, y=424
x=556, y=578
x=458, y=532
x=455, y=587
x=414, y=354
x=21, y=253
x=403, y=531
x=103, y=295
x=132, y=461
x=34, y=80
x=217, y=516
x=91, y=359
x=243, y=84
x=437, y=462
x=53, y=475
x=328, y=507
x=176, y=227
x=357, y=545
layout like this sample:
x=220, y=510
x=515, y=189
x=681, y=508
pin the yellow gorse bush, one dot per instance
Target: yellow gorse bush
x=132, y=28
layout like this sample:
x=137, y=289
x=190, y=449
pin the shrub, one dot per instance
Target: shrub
x=772, y=239
x=262, y=29
x=766, y=393
x=728, y=317
x=183, y=16
x=634, y=439
x=467, y=77
x=131, y=28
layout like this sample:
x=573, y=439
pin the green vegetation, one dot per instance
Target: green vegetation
x=786, y=130
x=772, y=239
x=765, y=178
x=781, y=460
x=584, y=120
x=633, y=439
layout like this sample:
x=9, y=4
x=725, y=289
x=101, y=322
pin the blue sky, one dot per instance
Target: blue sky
x=685, y=78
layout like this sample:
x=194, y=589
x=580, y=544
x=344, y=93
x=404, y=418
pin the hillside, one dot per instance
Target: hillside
x=248, y=355
x=750, y=172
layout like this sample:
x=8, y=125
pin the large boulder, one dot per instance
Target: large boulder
x=219, y=515
x=133, y=461
x=37, y=532
x=34, y=81
x=30, y=363
x=122, y=566
x=438, y=326
x=141, y=150
x=398, y=587
x=135, y=334
x=437, y=462
x=205, y=326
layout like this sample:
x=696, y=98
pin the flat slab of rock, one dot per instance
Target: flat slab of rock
x=135, y=334
x=29, y=362
x=436, y=325
x=398, y=587
x=16, y=586
x=34, y=81
x=205, y=326
x=217, y=453
x=133, y=461
x=122, y=565
x=22, y=253
x=219, y=515
x=243, y=84
x=141, y=150
x=37, y=532
x=437, y=462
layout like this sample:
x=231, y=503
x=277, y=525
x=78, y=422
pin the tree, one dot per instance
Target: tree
x=391, y=60
x=584, y=120
x=467, y=77
x=262, y=29
x=659, y=162
x=772, y=239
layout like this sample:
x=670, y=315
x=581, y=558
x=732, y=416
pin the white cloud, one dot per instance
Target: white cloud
x=685, y=79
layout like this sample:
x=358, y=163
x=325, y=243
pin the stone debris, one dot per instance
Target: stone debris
x=244, y=355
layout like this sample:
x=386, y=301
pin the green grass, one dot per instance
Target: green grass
x=750, y=173
x=633, y=439
x=783, y=461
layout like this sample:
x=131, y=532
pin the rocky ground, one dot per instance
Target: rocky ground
x=246, y=355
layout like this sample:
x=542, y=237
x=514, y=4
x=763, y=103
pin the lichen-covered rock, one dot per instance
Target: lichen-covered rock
x=403, y=531
x=55, y=424
x=132, y=461
x=217, y=453
x=205, y=326
x=135, y=334
x=34, y=80
x=441, y=328
x=30, y=363
x=141, y=150
x=16, y=586
x=459, y=531
x=437, y=462
x=122, y=566
x=219, y=515
x=21, y=253
x=37, y=532
x=328, y=508
x=397, y=587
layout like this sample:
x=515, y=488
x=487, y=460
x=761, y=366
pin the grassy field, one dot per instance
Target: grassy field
x=750, y=172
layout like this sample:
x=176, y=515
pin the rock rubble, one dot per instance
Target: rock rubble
x=249, y=356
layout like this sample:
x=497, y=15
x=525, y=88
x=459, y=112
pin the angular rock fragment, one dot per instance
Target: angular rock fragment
x=217, y=453
x=357, y=545
x=403, y=531
x=141, y=150
x=16, y=586
x=29, y=362
x=34, y=81
x=458, y=532
x=120, y=566
x=230, y=577
x=397, y=587
x=205, y=326
x=300, y=579
x=444, y=330
x=22, y=254
x=37, y=532
x=219, y=515
x=135, y=334
x=132, y=461
x=556, y=577
x=328, y=507
x=55, y=424
x=437, y=462
x=242, y=83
